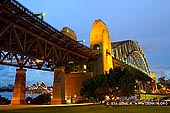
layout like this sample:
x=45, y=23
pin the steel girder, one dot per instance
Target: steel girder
x=129, y=52
x=19, y=48
x=27, y=41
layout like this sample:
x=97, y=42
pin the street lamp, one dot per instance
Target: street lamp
x=42, y=15
x=82, y=41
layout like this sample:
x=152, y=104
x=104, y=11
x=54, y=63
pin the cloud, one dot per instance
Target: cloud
x=161, y=72
x=8, y=73
x=160, y=67
x=147, y=47
x=34, y=76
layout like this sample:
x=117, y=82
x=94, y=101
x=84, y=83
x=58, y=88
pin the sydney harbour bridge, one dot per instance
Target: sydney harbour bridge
x=26, y=41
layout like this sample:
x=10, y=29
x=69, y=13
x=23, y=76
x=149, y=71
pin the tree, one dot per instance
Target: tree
x=101, y=90
x=94, y=87
x=118, y=82
x=4, y=100
x=88, y=89
x=127, y=83
x=41, y=99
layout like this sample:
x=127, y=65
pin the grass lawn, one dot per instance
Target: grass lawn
x=87, y=109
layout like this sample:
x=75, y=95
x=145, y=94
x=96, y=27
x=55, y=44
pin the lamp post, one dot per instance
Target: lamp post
x=42, y=15
x=82, y=41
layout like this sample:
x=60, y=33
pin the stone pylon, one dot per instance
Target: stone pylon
x=19, y=87
x=59, y=86
x=101, y=42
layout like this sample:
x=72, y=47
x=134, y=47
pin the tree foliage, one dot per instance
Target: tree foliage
x=39, y=100
x=118, y=82
x=4, y=100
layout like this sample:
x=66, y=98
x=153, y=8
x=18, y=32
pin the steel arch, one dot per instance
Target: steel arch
x=131, y=53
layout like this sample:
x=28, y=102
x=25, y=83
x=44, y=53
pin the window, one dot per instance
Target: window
x=96, y=47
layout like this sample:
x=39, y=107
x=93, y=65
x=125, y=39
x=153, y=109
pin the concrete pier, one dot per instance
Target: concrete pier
x=19, y=88
x=59, y=86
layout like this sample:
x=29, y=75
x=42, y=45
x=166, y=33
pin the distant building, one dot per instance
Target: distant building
x=38, y=88
x=8, y=88
x=165, y=83
x=4, y=87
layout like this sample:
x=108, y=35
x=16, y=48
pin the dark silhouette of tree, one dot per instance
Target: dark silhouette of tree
x=100, y=90
x=118, y=82
x=4, y=100
x=88, y=89
x=127, y=83
x=39, y=100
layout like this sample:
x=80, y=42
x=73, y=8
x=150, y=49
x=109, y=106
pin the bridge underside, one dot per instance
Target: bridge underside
x=27, y=41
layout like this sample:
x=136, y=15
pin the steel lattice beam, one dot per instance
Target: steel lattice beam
x=26, y=38
x=131, y=53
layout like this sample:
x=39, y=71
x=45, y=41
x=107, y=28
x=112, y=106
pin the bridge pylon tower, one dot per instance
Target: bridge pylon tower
x=153, y=83
x=100, y=41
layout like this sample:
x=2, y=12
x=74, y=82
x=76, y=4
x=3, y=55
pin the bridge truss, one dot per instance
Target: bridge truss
x=27, y=41
x=130, y=53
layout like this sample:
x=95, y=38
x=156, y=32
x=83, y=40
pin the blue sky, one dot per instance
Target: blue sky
x=145, y=21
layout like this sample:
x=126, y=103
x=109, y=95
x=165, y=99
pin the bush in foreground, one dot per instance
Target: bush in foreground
x=4, y=100
x=39, y=100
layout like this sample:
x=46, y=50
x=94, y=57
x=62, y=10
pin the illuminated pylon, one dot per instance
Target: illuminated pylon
x=100, y=41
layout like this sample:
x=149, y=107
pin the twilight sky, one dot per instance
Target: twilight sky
x=145, y=21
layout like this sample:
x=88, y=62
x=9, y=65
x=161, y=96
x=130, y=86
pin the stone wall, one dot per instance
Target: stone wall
x=73, y=84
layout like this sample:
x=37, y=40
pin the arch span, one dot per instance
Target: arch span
x=131, y=53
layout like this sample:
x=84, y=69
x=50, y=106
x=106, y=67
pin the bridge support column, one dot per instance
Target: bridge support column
x=19, y=87
x=59, y=86
x=153, y=84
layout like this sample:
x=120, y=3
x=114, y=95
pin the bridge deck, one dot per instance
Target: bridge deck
x=18, y=14
x=23, y=33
